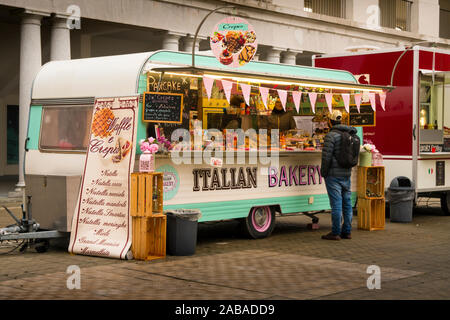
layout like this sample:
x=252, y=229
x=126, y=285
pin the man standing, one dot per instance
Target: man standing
x=337, y=177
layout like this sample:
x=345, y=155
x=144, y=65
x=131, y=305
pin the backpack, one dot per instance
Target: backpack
x=350, y=144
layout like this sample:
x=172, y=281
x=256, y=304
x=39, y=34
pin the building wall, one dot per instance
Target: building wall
x=110, y=27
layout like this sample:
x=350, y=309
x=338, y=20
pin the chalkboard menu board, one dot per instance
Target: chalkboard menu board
x=162, y=107
x=364, y=118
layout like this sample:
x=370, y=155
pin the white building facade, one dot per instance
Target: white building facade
x=289, y=31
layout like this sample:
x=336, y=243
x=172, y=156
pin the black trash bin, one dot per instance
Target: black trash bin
x=401, y=194
x=182, y=231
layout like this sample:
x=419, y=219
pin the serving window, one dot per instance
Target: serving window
x=65, y=128
x=434, y=119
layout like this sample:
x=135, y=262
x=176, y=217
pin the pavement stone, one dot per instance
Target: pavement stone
x=293, y=263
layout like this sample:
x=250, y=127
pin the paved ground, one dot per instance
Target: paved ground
x=294, y=263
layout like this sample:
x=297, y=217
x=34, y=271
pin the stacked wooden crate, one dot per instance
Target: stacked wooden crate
x=149, y=223
x=371, y=199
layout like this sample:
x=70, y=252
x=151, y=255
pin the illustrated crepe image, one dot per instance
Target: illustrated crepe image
x=101, y=122
x=246, y=54
x=124, y=147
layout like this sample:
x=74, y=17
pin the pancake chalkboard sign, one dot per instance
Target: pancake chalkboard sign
x=162, y=107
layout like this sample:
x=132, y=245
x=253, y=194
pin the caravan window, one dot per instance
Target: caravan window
x=65, y=128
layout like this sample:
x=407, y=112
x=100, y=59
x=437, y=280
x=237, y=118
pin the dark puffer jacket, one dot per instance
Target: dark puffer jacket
x=332, y=147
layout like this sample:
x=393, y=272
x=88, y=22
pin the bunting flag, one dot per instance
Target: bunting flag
x=329, y=99
x=283, y=97
x=246, y=92
x=358, y=100
x=208, y=82
x=383, y=100
x=296, y=95
x=264, y=95
x=372, y=99
x=312, y=99
x=227, y=85
x=346, y=99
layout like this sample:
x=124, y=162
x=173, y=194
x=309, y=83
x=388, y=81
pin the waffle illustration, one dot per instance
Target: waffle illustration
x=101, y=122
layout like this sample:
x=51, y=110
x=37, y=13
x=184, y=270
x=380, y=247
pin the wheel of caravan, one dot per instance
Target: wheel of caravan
x=445, y=203
x=260, y=222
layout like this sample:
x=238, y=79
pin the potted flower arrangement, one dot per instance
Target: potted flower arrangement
x=149, y=148
x=147, y=158
x=369, y=155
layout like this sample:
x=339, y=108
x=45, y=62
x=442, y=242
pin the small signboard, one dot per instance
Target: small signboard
x=364, y=118
x=440, y=173
x=162, y=107
x=233, y=42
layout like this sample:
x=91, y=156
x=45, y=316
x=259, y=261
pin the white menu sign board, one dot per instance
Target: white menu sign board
x=101, y=223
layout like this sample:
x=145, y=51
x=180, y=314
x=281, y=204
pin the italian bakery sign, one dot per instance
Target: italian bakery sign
x=233, y=41
x=101, y=224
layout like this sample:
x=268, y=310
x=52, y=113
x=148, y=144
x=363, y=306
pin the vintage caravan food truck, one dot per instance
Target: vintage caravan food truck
x=284, y=179
x=413, y=134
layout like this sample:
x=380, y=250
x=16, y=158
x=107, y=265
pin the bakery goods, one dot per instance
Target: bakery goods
x=103, y=117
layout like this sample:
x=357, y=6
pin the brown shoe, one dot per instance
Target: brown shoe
x=346, y=235
x=331, y=236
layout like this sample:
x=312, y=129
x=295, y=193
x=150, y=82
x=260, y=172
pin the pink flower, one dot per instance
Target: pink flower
x=145, y=146
x=153, y=148
x=151, y=139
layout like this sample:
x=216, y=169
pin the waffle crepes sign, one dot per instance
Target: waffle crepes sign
x=101, y=223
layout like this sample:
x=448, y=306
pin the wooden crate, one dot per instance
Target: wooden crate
x=371, y=179
x=146, y=194
x=149, y=237
x=371, y=215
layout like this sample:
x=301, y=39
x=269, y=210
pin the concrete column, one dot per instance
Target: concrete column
x=189, y=41
x=421, y=21
x=171, y=41
x=273, y=54
x=290, y=56
x=364, y=11
x=30, y=62
x=59, y=39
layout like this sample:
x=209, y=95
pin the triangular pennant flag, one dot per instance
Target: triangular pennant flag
x=358, y=100
x=346, y=98
x=383, y=99
x=227, y=85
x=296, y=95
x=283, y=97
x=329, y=99
x=246, y=92
x=312, y=99
x=264, y=95
x=208, y=82
x=372, y=99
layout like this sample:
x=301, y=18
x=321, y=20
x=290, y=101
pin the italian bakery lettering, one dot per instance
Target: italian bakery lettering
x=294, y=176
x=224, y=179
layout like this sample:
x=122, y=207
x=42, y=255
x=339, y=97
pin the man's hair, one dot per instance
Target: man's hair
x=236, y=101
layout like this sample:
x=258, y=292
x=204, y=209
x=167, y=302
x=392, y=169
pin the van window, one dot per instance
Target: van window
x=65, y=128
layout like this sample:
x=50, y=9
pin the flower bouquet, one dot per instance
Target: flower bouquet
x=147, y=158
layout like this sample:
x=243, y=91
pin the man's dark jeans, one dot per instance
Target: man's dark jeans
x=338, y=189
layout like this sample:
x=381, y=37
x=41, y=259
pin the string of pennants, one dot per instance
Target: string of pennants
x=296, y=95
